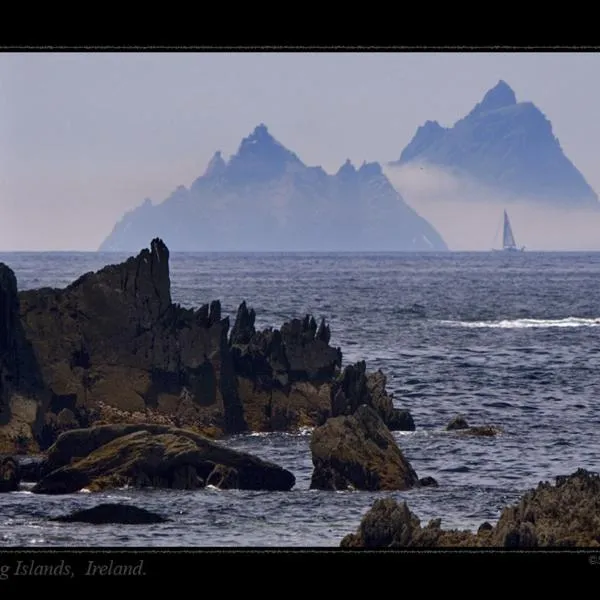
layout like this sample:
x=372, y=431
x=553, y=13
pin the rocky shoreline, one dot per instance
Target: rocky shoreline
x=107, y=383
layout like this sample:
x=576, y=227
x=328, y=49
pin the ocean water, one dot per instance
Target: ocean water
x=511, y=341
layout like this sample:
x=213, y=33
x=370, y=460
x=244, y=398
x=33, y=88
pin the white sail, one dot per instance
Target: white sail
x=508, y=239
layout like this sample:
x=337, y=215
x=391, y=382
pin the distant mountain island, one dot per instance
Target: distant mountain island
x=264, y=198
x=507, y=145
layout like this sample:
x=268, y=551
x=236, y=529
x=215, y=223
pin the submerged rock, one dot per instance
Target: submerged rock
x=566, y=514
x=112, y=513
x=358, y=452
x=428, y=482
x=151, y=456
x=459, y=424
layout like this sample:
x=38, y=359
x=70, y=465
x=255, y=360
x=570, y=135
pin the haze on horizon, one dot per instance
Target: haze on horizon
x=86, y=137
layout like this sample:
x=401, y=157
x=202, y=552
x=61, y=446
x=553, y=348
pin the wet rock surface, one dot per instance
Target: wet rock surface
x=566, y=514
x=460, y=425
x=150, y=455
x=358, y=452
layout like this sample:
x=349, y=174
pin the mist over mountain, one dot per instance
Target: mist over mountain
x=264, y=198
x=508, y=147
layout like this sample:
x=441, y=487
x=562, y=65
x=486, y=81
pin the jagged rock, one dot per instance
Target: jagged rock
x=243, y=328
x=150, y=456
x=112, y=347
x=283, y=374
x=9, y=474
x=309, y=358
x=114, y=337
x=355, y=386
x=358, y=452
x=112, y=513
x=566, y=514
x=23, y=396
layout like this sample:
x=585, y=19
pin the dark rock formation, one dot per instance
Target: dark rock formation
x=566, y=514
x=23, y=397
x=358, y=452
x=30, y=467
x=9, y=474
x=112, y=347
x=268, y=199
x=114, y=339
x=459, y=424
x=507, y=145
x=151, y=456
x=112, y=513
x=355, y=387
x=283, y=375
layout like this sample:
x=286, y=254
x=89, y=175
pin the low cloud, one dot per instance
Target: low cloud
x=468, y=215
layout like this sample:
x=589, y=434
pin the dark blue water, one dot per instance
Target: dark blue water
x=506, y=340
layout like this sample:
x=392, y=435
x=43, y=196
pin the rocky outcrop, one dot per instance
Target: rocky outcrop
x=114, y=337
x=113, y=348
x=9, y=474
x=151, y=456
x=112, y=513
x=23, y=397
x=355, y=387
x=566, y=514
x=283, y=375
x=459, y=425
x=358, y=452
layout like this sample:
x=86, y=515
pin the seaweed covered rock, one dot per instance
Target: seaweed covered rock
x=151, y=456
x=358, y=452
x=566, y=514
x=459, y=425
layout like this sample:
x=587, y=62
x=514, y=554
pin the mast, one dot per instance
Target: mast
x=508, y=239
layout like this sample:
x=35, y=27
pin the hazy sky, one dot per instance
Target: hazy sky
x=87, y=136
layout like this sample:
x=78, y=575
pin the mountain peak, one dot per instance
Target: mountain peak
x=216, y=166
x=500, y=96
x=260, y=157
x=505, y=144
x=370, y=169
x=347, y=169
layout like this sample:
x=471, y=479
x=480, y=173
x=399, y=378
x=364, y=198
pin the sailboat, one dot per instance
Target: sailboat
x=508, y=238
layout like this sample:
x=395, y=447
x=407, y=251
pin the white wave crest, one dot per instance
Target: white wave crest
x=526, y=323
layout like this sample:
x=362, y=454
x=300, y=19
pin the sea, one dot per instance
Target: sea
x=507, y=340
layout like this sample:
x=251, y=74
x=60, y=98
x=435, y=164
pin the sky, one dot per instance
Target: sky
x=85, y=137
